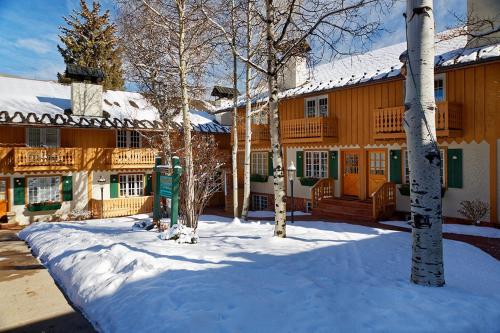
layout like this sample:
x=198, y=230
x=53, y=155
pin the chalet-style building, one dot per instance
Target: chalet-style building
x=342, y=128
x=61, y=144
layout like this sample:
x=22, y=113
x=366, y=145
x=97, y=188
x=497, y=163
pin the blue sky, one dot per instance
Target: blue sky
x=29, y=29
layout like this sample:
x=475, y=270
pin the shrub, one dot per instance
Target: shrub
x=474, y=210
x=308, y=181
x=258, y=178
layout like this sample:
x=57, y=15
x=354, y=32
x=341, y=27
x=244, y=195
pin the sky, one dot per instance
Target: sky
x=29, y=29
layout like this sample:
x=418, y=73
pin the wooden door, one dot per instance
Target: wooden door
x=4, y=198
x=350, y=172
x=377, y=169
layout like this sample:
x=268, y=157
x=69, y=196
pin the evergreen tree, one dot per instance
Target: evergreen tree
x=89, y=40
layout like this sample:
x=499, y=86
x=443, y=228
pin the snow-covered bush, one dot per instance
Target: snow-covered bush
x=79, y=215
x=181, y=234
x=474, y=210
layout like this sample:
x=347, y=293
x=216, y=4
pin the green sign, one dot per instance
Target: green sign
x=166, y=186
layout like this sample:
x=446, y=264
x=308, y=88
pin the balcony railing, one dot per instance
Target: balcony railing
x=388, y=122
x=125, y=158
x=121, y=206
x=308, y=129
x=260, y=133
x=33, y=159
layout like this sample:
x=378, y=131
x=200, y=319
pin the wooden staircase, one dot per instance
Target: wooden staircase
x=344, y=208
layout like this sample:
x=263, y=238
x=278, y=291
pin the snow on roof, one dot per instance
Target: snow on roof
x=380, y=64
x=44, y=102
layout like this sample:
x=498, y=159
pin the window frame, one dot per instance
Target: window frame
x=264, y=160
x=254, y=201
x=128, y=138
x=140, y=190
x=42, y=137
x=27, y=191
x=317, y=112
x=438, y=77
x=444, y=160
x=320, y=169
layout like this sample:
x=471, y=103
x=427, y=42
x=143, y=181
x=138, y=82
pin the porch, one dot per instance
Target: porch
x=121, y=206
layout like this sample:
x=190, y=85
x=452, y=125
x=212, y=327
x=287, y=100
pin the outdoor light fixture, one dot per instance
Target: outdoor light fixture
x=291, y=176
x=101, y=182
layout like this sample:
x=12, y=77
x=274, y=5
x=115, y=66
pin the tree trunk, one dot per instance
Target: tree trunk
x=235, y=118
x=423, y=153
x=274, y=123
x=186, y=123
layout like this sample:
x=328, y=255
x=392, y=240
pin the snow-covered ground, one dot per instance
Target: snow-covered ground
x=462, y=229
x=268, y=213
x=325, y=277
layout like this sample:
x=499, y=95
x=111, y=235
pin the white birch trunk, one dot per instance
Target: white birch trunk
x=274, y=123
x=424, y=157
x=235, y=119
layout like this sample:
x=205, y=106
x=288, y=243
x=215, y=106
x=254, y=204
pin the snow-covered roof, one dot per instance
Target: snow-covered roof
x=24, y=101
x=381, y=64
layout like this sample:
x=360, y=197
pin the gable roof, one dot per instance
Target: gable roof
x=33, y=102
x=381, y=64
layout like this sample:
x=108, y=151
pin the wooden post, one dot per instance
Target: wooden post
x=176, y=177
x=156, y=198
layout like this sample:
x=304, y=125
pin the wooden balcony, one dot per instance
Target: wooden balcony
x=260, y=135
x=45, y=159
x=121, y=206
x=318, y=129
x=388, y=122
x=130, y=158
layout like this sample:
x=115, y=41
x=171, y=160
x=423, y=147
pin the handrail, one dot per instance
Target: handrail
x=384, y=200
x=131, y=156
x=260, y=132
x=323, y=188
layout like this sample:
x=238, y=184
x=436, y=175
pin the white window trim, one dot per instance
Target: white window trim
x=140, y=190
x=316, y=105
x=444, y=156
x=441, y=76
x=59, y=190
x=128, y=139
x=43, y=137
x=264, y=165
x=325, y=169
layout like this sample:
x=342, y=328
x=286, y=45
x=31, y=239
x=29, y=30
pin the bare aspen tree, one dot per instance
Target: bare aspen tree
x=424, y=157
x=234, y=152
x=290, y=27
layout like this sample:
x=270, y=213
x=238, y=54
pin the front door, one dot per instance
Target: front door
x=4, y=204
x=377, y=169
x=350, y=172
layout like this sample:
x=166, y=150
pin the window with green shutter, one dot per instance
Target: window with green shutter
x=19, y=193
x=67, y=188
x=333, y=167
x=270, y=167
x=455, y=168
x=113, y=186
x=149, y=185
x=395, y=165
x=300, y=163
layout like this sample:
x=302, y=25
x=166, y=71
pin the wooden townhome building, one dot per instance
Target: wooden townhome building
x=341, y=125
x=61, y=146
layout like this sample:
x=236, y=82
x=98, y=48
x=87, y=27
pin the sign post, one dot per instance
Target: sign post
x=156, y=197
x=175, y=189
x=167, y=187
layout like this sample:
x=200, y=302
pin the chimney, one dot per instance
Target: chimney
x=482, y=11
x=86, y=91
x=293, y=74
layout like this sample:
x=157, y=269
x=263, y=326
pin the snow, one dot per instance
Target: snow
x=462, y=229
x=324, y=277
x=268, y=213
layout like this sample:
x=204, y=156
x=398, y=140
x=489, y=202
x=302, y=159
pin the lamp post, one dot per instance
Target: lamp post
x=291, y=175
x=101, y=182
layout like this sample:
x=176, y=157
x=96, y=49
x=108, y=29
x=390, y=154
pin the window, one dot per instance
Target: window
x=131, y=185
x=259, y=202
x=377, y=163
x=439, y=87
x=316, y=107
x=44, y=189
x=258, y=164
x=316, y=164
x=308, y=206
x=407, y=167
x=260, y=118
x=128, y=139
x=42, y=137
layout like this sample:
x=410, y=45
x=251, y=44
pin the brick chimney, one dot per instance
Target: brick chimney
x=480, y=10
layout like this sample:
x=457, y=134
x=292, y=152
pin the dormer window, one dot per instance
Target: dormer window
x=128, y=139
x=316, y=107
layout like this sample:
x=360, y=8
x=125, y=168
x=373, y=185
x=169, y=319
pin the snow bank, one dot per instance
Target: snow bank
x=325, y=277
x=462, y=229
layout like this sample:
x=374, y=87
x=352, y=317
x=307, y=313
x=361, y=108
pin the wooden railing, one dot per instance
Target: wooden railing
x=123, y=158
x=388, y=122
x=384, y=200
x=121, y=206
x=260, y=132
x=308, y=129
x=33, y=159
x=323, y=188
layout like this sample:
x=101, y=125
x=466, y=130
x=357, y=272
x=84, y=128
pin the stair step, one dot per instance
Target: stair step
x=349, y=209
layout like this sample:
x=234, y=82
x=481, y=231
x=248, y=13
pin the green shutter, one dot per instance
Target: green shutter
x=19, y=194
x=333, y=167
x=149, y=185
x=113, y=186
x=270, y=168
x=395, y=165
x=455, y=168
x=300, y=163
x=67, y=188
